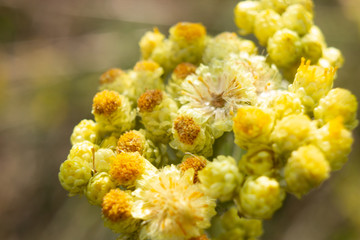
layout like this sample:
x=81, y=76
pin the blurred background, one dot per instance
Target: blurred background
x=51, y=56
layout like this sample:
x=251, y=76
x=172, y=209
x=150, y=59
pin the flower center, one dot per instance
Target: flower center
x=217, y=100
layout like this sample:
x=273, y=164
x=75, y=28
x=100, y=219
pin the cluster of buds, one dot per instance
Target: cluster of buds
x=287, y=31
x=161, y=158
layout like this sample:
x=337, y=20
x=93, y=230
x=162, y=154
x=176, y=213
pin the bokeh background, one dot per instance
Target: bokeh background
x=51, y=56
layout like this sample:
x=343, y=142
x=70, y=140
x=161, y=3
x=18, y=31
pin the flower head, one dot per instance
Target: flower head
x=116, y=209
x=132, y=141
x=306, y=168
x=127, y=167
x=193, y=162
x=146, y=65
x=217, y=91
x=110, y=75
x=187, y=31
x=252, y=125
x=182, y=70
x=148, y=100
x=106, y=102
x=173, y=207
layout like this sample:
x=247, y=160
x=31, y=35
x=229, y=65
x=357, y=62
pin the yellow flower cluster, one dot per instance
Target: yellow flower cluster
x=160, y=156
x=287, y=30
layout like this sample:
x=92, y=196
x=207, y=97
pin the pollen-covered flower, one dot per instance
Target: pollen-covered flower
x=116, y=209
x=217, y=91
x=194, y=162
x=179, y=74
x=117, y=80
x=135, y=141
x=113, y=111
x=306, y=168
x=252, y=126
x=128, y=167
x=146, y=74
x=186, y=43
x=191, y=133
x=172, y=206
x=157, y=111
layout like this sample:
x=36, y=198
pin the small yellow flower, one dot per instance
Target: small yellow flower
x=146, y=65
x=116, y=209
x=191, y=133
x=193, y=162
x=157, y=111
x=283, y=103
x=111, y=75
x=128, y=167
x=285, y=48
x=99, y=185
x=306, y=168
x=106, y=102
x=172, y=206
x=267, y=22
x=245, y=13
x=113, y=111
x=74, y=175
x=150, y=41
x=338, y=102
x=179, y=74
x=252, y=125
x=335, y=141
x=311, y=83
x=84, y=150
x=86, y=130
x=226, y=43
x=260, y=197
x=187, y=129
x=221, y=178
x=131, y=141
x=291, y=132
x=148, y=100
x=297, y=18
x=116, y=205
x=259, y=160
x=187, y=31
x=332, y=57
x=182, y=70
